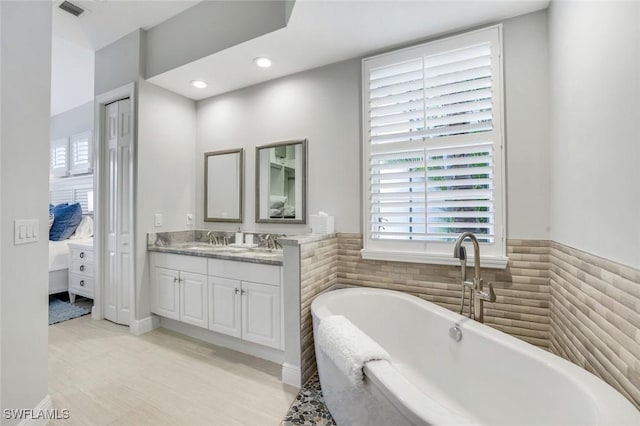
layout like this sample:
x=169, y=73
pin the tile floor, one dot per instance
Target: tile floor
x=105, y=376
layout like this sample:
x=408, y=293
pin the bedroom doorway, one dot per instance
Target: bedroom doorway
x=114, y=218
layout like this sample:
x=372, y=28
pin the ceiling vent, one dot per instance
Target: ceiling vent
x=67, y=6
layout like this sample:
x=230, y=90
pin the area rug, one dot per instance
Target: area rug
x=61, y=311
x=308, y=408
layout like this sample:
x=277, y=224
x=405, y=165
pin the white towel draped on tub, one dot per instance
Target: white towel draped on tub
x=348, y=347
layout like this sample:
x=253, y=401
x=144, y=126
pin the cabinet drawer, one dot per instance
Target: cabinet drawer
x=245, y=271
x=82, y=255
x=77, y=282
x=80, y=267
x=197, y=265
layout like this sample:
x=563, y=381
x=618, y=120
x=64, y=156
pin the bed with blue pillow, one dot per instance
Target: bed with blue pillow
x=66, y=224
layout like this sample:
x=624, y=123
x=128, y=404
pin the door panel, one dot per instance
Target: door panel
x=224, y=306
x=193, y=299
x=261, y=314
x=119, y=273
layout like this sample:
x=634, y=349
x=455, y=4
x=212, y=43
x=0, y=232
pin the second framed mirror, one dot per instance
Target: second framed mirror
x=281, y=182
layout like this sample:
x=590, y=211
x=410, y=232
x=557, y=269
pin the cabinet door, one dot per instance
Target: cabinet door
x=165, y=293
x=224, y=306
x=261, y=314
x=193, y=299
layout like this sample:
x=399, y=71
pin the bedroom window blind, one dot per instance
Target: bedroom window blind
x=433, y=148
x=58, y=157
x=80, y=153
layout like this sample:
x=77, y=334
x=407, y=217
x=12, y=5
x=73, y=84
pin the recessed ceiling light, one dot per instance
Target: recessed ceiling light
x=262, y=62
x=199, y=84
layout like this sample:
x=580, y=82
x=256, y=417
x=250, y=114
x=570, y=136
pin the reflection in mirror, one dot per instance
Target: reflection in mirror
x=281, y=182
x=223, y=186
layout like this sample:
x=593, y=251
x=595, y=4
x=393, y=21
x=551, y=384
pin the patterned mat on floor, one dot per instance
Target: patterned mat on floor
x=308, y=408
x=60, y=310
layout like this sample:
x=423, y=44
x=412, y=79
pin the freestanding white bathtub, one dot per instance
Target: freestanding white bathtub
x=486, y=378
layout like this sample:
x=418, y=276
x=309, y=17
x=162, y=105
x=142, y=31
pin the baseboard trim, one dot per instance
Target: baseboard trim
x=45, y=406
x=145, y=325
x=253, y=349
x=291, y=375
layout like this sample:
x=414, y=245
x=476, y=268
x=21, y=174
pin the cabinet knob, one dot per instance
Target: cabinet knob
x=237, y=291
x=81, y=283
x=81, y=255
x=175, y=280
x=82, y=267
x=242, y=292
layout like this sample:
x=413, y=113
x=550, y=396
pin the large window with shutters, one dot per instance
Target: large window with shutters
x=433, y=150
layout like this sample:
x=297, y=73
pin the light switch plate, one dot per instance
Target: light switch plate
x=157, y=219
x=26, y=231
x=189, y=219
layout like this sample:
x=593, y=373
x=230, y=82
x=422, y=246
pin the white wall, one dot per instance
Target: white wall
x=73, y=121
x=595, y=127
x=25, y=35
x=527, y=132
x=207, y=28
x=72, y=75
x=119, y=63
x=165, y=172
x=324, y=106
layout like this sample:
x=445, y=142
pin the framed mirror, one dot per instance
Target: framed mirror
x=281, y=182
x=223, y=185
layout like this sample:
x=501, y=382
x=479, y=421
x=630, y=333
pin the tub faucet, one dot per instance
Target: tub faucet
x=477, y=294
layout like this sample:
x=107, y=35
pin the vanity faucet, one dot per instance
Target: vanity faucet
x=213, y=240
x=477, y=295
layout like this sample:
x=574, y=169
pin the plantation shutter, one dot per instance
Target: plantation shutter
x=58, y=157
x=433, y=145
x=80, y=153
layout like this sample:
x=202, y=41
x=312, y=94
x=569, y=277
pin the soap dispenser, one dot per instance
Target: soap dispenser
x=239, y=237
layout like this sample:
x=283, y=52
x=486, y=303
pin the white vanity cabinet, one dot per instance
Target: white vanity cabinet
x=261, y=314
x=234, y=298
x=245, y=301
x=179, y=288
x=225, y=304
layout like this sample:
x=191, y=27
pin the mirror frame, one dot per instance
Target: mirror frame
x=303, y=174
x=239, y=151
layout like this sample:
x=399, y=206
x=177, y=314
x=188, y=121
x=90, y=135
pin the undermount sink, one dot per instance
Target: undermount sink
x=261, y=252
x=210, y=247
x=264, y=250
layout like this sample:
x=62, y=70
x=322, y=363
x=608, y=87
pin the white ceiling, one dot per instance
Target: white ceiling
x=75, y=39
x=324, y=32
x=105, y=21
x=319, y=32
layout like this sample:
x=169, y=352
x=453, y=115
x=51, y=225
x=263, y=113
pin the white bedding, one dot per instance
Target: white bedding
x=58, y=255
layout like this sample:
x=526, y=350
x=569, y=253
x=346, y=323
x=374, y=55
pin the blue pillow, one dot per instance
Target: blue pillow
x=66, y=219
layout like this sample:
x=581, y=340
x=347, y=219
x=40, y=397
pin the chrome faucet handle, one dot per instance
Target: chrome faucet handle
x=489, y=296
x=469, y=284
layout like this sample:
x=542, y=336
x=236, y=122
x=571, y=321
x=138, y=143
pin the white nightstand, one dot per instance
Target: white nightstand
x=81, y=270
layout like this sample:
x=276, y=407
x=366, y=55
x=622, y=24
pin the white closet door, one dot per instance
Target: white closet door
x=118, y=279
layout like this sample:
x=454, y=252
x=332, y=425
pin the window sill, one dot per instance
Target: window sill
x=493, y=262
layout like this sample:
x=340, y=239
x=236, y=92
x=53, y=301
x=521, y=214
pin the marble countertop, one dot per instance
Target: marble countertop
x=194, y=248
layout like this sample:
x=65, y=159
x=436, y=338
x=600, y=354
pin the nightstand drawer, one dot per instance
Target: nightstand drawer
x=77, y=282
x=82, y=255
x=80, y=267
